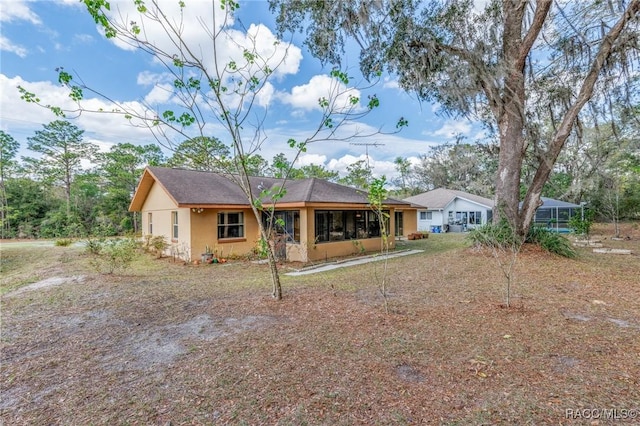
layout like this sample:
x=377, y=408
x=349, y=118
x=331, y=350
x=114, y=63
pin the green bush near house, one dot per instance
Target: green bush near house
x=502, y=236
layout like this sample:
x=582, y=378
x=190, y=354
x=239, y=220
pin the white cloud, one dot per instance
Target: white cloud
x=390, y=83
x=102, y=145
x=22, y=118
x=82, y=38
x=7, y=46
x=196, y=23
x=378, y=167
x=146, y=78
x=17, y=10
x=340, y=164
x=309, y=159
x=306, y=97
x=160, y=94
x=452, y=128
x=265, y=95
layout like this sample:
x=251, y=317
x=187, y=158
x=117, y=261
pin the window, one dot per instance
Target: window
x=475, y=218
x=285, y=223
x=461, y=218
x=230, y=225
x=174, y=222
x=423, y=215
x=429, y=215
x=339, y=225
x=150, y=223
x=464, y=218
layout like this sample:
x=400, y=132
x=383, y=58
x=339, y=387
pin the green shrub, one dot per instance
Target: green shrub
x=580, y=225
x=63, y=242
x=501, y=236
x=94, y=245
x=551, y=242
x=115, y=255
x=159, y=245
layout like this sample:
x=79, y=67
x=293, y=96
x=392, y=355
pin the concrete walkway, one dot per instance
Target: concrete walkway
x=344, y=264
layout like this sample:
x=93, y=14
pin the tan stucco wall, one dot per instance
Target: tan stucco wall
x=322, y=251
x=410, y=222
x=205, y=232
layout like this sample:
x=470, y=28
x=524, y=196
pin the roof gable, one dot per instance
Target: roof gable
x=441, y=197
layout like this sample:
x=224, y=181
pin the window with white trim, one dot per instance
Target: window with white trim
x=174, y=224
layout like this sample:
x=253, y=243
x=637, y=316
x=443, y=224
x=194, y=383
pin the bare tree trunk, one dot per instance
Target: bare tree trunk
x=275, y=275
x=271, y=258
x=510, y=106
x=135, y=222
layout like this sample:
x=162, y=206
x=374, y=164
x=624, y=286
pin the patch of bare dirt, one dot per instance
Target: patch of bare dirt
x=46, y=283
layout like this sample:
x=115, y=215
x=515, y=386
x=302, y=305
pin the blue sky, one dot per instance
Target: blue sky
x=38, y=36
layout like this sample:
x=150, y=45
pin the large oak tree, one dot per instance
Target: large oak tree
x=520, y=66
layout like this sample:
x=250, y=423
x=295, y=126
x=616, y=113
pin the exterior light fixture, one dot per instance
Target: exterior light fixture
x=197, y=210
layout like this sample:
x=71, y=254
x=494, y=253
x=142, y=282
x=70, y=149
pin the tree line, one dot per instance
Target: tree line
x=68, y=188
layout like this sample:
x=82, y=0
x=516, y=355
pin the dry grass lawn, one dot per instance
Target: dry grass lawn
x=173, y=344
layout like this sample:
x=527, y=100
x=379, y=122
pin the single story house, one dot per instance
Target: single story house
x=451, y=210
x=555, y=214
x=319, y=219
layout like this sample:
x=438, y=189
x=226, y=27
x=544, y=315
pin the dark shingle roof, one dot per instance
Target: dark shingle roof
x=189, y=187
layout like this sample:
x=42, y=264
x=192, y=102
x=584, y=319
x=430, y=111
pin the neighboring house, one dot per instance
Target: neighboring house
x=320, y=219
x=555, y=214
x=451, y=210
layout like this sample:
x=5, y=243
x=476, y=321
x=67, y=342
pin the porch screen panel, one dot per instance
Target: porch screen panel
x=322, y=226
x=336, y=224
x=285, y=222
x=361, y=224
x=373, y=225
x=340, y=225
